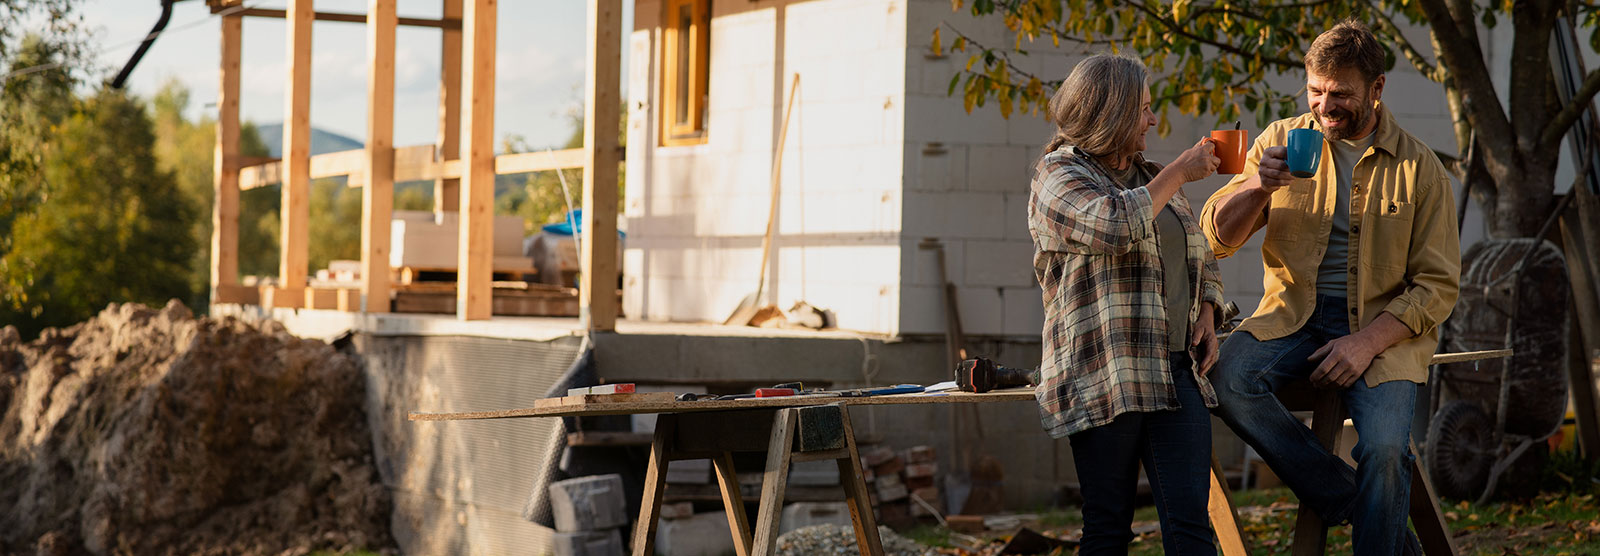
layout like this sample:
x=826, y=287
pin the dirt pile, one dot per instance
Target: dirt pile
x=154, y=432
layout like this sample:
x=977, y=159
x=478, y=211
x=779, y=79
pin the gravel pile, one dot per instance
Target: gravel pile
x=833, y=539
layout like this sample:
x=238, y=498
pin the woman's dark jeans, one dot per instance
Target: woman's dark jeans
x=1175, y=448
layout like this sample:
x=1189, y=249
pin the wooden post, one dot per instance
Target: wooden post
x=296, y=205
x=475, y=235
x=447, y=191
x=377, y=197
x=225, y=168
x=597, y=296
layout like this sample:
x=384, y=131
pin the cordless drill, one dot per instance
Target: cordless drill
x=982, y=375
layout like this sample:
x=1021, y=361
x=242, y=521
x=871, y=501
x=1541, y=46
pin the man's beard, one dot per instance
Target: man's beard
x=1353, y=122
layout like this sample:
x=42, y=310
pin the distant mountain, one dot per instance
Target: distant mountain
x=322, y=141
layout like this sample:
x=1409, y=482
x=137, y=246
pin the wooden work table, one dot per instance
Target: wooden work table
x=810, y=428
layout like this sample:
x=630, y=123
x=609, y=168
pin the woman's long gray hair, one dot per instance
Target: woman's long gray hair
x=1098, y=107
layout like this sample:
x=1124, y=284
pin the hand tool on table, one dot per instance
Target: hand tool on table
x=982, y=375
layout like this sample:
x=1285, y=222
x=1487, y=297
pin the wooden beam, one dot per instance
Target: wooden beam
x=518, y=163
x=447, y=190
x=445, y=23
x=411, y=164
x=475, y=265
x=296, y=204
x=602, y=102
x=225, y=167
x=377, y=198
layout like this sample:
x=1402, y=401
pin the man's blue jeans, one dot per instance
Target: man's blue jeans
x=1375, y=495
x=1175, y=447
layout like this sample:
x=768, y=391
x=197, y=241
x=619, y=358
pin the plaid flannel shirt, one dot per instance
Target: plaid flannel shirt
x=1105, y=315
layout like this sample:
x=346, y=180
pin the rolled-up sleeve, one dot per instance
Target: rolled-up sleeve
x=1433, y=267
x=1073, y=216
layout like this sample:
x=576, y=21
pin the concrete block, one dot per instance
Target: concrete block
x=704, y=534
x=806, y=514
x=588, y=503
x=922, y=310
x=1016, y=220
x=588, y=543
x=890, y=492
x=1007, y=263
x=814, y=473
x=999, y=168
x=920, y=267
x=689, y=471
x=982, y=310
x=677, y=510
x=1024, y=311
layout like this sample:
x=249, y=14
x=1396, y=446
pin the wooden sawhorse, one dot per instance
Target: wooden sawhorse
x=795, y=434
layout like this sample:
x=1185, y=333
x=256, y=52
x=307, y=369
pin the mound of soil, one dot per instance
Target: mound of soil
x=155, y=432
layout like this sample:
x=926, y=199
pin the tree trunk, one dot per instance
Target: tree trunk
x=1521, y=201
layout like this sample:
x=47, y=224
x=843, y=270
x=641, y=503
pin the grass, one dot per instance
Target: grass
x=1564, y=519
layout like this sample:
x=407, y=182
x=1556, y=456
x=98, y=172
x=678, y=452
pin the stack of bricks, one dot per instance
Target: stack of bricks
x=903, y=486
x=589, y=514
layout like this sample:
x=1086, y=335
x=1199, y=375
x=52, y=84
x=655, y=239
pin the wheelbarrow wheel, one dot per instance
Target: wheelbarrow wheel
x=1460, y=450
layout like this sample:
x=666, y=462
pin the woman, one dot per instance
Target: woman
x=1130, y=298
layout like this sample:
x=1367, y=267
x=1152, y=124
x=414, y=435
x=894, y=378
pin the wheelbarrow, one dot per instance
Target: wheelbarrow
x=1490, y=416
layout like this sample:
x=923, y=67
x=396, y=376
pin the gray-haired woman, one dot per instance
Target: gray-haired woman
x=1130, y=298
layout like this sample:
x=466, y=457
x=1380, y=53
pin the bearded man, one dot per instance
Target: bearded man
x=1362, y=264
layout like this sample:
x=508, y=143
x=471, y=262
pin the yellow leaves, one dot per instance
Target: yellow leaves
x=960, y=45
x=937, y=49
x=1180, y=10
x=955, y=5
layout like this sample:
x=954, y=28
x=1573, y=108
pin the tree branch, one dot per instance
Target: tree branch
x=1464, y=60
x=1386, y=23
x=1557, y=128
x=1223, y=46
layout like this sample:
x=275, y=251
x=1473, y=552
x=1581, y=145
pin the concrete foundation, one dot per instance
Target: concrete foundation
x=460, y=487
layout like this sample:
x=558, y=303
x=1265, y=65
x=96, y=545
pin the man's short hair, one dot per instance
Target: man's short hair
x=1347, y=45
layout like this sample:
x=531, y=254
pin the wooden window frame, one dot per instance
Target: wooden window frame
x=693, y=132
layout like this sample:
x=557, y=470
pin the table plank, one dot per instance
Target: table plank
x=628, y=408
x=674, y=406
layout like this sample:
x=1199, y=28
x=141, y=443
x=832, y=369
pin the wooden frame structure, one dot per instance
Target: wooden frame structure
x=462, y=183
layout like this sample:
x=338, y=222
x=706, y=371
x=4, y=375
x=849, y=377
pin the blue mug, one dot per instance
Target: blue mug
x=1305, y=152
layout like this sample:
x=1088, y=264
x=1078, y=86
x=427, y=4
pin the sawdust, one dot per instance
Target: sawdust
x=154, y=432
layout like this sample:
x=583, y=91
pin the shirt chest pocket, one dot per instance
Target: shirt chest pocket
x=1389, y=236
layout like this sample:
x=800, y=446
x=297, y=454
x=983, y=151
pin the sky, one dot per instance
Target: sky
x=539, y=69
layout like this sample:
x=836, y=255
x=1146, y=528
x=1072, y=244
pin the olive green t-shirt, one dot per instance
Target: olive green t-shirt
x=1175, y=275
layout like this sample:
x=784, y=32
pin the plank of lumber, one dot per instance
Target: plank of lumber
x=474, y=299
x=225, y=166
x=1442, y=358
x=377, y=198
x=447, y=190
x=602, y=104
x=445, y=23
x=296, y=196
x=674, y=406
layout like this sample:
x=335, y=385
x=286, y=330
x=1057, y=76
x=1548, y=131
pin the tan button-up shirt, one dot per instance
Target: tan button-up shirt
x=1405, y=256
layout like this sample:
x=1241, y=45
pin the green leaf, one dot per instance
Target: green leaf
x=954, y=80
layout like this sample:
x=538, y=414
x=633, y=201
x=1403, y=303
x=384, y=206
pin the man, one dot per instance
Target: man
x=1362, y=265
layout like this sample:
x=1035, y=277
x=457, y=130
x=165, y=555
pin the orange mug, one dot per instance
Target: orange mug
x=1230, y=146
